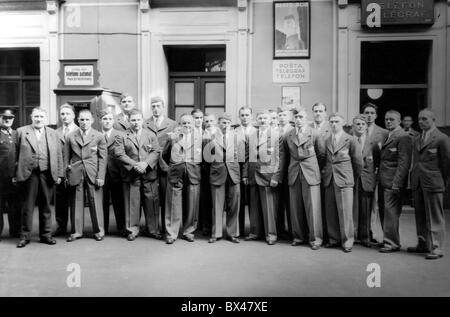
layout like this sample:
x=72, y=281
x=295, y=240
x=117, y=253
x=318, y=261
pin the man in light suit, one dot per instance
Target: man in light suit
x=321, y=125
x=304, y=149
x=138, y=153
x=160, y=125
x=366, y=183
x=67, y=117
x=225, y=177
x=343, y=165
x=395, y=162
x=283, y=216
x=376, y=135
x=183, y=186
x=9, y=191
x=113, y=188
x=429, y=178
x=243, y=130
x=127, y=104
x=39, y=168
x=264, y=173
x=85, y=161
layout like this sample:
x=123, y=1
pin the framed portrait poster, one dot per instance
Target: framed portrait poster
x=291, y=29
x=290, y=97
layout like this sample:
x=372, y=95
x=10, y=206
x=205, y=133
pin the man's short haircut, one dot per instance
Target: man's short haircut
x=336, y=114
x=186, y=114
x=134, y=112
x=298, y=110
x=317, y=104
x=124, y=95
x=85, y=111
x=395, y=113
x=105, y=112
x=369, y=105
x=408, y=116
x=245, y=108
x=263, y=112
x=38, y=109
x=67, y=106
x=271, y=110
x=157, y=99
x=430, y=112
x=210, y=115
x=283, y=109
x=197, y=110
x=360, y=117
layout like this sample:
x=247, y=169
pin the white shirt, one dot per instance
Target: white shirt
x=391, y=132
x=107, y=133
x=318, y=126
x=337, y=136
x=426, y=134
x=362, y=138
x=38, y=133
x=158, y=120
x=370, y=129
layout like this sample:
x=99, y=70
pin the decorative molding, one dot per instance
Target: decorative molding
x=242, y=4
x=52, y=7
x=144, y=6
x=342, y=4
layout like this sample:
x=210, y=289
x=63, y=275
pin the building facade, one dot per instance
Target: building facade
x=223, y=54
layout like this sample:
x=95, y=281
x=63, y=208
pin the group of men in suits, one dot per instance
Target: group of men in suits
x=312, y=182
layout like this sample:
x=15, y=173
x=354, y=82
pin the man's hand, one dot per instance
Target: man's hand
x=58, y=181
x=245, y=181
x=273, y=183
x=141, y=167
x=99, y=182
x=14, y=181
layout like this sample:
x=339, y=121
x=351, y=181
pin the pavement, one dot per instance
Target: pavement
x=148, y=267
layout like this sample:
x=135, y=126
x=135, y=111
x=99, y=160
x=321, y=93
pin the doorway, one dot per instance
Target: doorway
x=196, y=79
x=394, y=76
x=20, y=83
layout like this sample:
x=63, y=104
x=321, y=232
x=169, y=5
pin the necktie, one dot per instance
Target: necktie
x=299, y=135
x=224, y=147
x=334, y=142
x=106, y=137
x=65, y=132
x=360, y=140
x=38, y=134
x=424, y=137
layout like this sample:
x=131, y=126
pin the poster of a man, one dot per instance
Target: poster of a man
x=291, y=29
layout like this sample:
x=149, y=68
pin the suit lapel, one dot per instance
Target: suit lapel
x=131, y=136
x=79, y=138
x=31, y=137
x=112, y=137
x=344, y=139
x=430, y=139
x=293, y=137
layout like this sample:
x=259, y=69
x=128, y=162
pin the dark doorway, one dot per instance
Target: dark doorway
x=196, y=79
x=394, y=75
x=20, y=82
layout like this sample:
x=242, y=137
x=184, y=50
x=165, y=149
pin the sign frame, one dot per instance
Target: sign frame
x=90, y=81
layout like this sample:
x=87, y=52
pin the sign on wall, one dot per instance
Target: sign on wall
x=291, y=71
x=379, y=13
x=78, y=75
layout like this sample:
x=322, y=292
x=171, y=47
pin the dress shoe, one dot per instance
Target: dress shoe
x=49, y=241
x=433, y=256
x=251, y=237
x=212, y=240
x=270, y=242
x=188, y=238
x=98, y=237
x=60, y=232
x=72, y=238
x=347, y=250
x=417, y=249
x=331, y=245
x=131, y=237
x=315, y=247
x=22, y=243
x=156, y=236
x=234, y=240
x=170, y=241
x=389, y=249
x=296, y=243
x=366, y=244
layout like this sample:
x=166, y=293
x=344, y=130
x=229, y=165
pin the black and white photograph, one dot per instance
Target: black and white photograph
x=224, y=155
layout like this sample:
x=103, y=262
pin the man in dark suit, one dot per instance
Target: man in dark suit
x=85, y=161
x=264, y=173
x=304, y=149
x=126, y=104
x=113, y=188
x=395, y=162
x=429, y=178
x=183, y=187
x=343, y=165
x=39, y=168
x=224, y=177
x=407, y=123
x=366, y=183
x=9, y=192
x=376, y=136
x=137, y=151
x=160, y=125
x=67, y=116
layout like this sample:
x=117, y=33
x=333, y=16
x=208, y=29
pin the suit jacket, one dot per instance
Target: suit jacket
x=304, y=155
x=344, y=162
x=412, y=133
x=88, y=156
x=63, y=140
x=121, y=123
x=113, y=170
x=431, y=162
x=371, y=163
x=8, y=150
x=129, y=151
x=266, y=158
x=395, y=160
x=220, y=168
x=324, y=130
x=378, y=135
x=181, y=156
x=28, y=151
x=166, y=126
